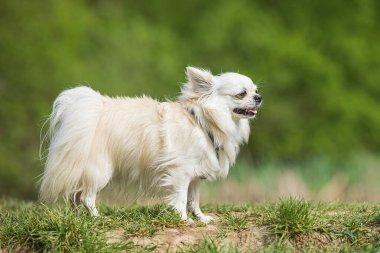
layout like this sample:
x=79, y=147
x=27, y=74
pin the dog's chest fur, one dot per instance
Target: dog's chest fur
x=191, y=138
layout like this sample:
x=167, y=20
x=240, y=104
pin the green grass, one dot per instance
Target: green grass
x=286, y=225
x=143, y=220
x=211, y=246
x=290, y=217
x=234, y=222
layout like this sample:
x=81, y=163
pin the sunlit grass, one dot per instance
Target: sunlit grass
x=288, y=225
x=290, y=217
x=235, y=222
x=210, y=246
x=59, y=229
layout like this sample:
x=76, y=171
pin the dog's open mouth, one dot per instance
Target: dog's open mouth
x=248, y=112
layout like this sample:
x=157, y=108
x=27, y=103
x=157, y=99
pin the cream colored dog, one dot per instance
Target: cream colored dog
x=162, y=149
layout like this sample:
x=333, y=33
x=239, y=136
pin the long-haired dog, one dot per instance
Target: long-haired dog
x=162, y=149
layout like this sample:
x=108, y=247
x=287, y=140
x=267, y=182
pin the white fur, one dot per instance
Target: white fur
x=161, y=148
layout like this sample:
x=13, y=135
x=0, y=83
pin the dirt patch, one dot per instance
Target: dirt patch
x=252, y=238
x=115, y=236
x=173, y=239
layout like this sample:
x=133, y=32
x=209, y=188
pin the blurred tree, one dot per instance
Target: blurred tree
x=316, y=63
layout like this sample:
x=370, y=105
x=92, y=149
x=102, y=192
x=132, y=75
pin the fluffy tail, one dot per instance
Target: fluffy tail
x=73, y=123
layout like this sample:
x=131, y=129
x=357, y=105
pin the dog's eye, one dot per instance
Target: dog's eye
x=241, y=94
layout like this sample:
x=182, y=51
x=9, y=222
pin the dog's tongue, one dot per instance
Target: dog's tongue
x=254, y=111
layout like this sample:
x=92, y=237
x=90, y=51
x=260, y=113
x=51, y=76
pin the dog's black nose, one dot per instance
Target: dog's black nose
x=257, y=98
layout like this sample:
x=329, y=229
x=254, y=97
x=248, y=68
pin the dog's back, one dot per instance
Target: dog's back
x=95, y=137
x=130, y=135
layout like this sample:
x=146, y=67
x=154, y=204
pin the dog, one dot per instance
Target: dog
x=161, y=149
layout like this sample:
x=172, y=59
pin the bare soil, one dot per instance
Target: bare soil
x=173, y=239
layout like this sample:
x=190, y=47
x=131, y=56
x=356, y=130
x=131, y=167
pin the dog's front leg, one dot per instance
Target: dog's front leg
x=193, y=202
x=178, y=198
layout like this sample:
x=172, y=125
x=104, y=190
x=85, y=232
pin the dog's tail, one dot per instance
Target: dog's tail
x=73, y=123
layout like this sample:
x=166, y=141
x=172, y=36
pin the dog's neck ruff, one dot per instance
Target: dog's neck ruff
x=216, y=146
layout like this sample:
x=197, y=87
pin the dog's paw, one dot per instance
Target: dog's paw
x=205, y=219
x=189, y=221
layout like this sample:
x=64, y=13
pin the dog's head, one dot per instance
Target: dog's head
x=230, y=92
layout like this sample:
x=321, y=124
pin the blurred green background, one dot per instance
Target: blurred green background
x=317, y=64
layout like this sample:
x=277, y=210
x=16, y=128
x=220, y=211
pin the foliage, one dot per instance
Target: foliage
x=291, y=217
x=210, y=246
x=316, y=63
x=234, y=222
x=60, y=230
x=288, y=225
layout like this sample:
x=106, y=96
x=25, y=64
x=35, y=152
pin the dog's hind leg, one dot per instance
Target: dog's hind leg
x=96, y=177
x=75, y=199
x=89, y=203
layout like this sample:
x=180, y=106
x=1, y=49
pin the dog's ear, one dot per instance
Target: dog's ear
x=200, y=79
